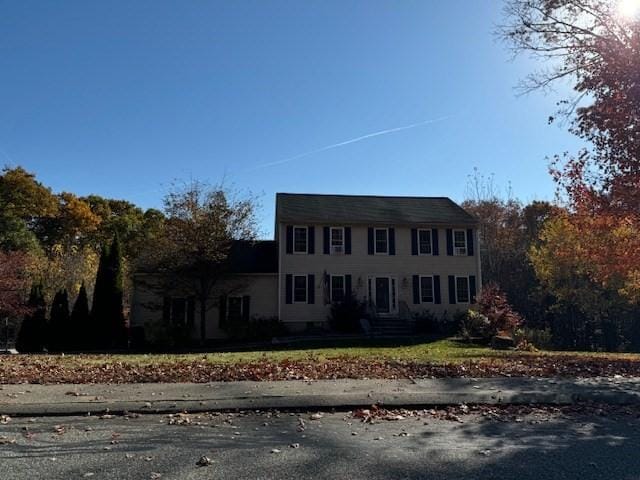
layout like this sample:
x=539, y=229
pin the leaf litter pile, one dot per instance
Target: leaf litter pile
x=45, y=369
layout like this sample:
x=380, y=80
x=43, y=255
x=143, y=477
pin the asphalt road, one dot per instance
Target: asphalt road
x=540, y=445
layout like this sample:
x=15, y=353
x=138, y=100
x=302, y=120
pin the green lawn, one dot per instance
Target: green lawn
x=423, y=351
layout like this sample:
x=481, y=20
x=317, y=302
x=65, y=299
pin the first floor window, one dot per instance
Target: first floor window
x=300, y=239
x=462, y=289
x=337, y=288
x=179, y=311
x=426, y=289
x=382, y=240
x=234, y=308
x=460, y=242
x=300, y=289
x=424, y=242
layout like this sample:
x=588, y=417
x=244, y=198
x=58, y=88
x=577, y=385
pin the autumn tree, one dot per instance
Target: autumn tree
x=586, y=314
x=595, y=47
x=507, y=229
x=13, y=283
x=190, y=254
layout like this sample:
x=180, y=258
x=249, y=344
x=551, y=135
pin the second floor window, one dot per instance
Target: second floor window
x=424, y=242
x=337, y=240
x=300, y=239
x=460, y=242
x=382, y=240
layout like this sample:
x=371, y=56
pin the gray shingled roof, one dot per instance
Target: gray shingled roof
x=370, y=210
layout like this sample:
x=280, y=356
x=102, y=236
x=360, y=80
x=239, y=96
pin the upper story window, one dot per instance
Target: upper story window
x=337, y=240
x=462, y=289
x=424, y=242
x=381, y=240
x=299, y=289
x=459, y=242
x=300, y=239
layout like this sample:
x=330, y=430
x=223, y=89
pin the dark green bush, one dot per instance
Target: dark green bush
x=345, y=316
x=256, y=329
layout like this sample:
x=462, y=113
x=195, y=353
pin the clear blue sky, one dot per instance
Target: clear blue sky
x=119, y=98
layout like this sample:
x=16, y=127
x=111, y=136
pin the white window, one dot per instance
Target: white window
x=299, y=289
x=234, y=308
x=459, y=242
x=426, y=289
x=462, y=289
x=337, y=240
x=381, y=241
x=337, y=288
x=300, y=239
x=424, y=242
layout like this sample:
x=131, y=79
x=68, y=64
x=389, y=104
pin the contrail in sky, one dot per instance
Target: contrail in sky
x=347, y=142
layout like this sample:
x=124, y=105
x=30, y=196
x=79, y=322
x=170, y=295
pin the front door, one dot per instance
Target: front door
x=382, y=295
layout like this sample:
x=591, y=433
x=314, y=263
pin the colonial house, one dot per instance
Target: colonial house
x=400, y=255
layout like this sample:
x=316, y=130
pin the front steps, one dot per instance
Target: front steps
x=391, y=327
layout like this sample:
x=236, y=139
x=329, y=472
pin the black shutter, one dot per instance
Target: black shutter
x=414, y=241
x=326, y=235
x=472, y=288
x=347, y=240
x=416, y=289
x=370, y=240
x=289, y=241
x=166, y=309
x=449, y=241
x=452, y=290
x=311, y=289
x=289, y=289
x=435, y=249
x=436, y=289
x=392, y=241
x=246, y=305
x=311, y=240
x=470, y=242
x=347, y=286
x=222, y=311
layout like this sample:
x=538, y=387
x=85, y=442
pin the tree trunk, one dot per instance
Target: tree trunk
x=203, y=320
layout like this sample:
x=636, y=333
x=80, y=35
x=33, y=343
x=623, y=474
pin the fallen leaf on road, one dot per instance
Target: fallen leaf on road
x=204, y=461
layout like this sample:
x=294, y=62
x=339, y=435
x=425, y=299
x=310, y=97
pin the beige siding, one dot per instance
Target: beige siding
x=361, y=265
x=262, y=288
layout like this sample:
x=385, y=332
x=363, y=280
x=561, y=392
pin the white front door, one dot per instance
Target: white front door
x=383, y=294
